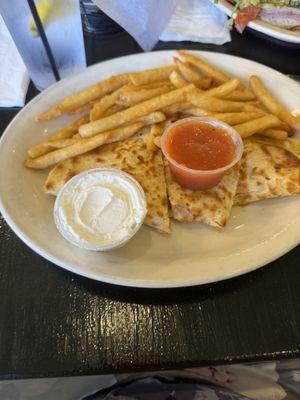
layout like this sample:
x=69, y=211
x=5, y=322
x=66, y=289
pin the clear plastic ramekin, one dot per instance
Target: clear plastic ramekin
x=196, y=179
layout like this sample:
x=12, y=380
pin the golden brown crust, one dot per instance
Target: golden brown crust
x=131, y=156
x=269, y=168
x=211, y=207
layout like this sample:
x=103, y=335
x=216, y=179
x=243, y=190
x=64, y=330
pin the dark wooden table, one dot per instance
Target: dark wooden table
x=54, y=323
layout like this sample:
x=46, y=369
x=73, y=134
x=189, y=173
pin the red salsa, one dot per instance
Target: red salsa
x=201, y=146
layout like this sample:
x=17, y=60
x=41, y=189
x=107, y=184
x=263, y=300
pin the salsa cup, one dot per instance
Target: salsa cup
x=199, y=179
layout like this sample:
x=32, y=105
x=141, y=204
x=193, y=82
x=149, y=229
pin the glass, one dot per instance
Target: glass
x=62, y=24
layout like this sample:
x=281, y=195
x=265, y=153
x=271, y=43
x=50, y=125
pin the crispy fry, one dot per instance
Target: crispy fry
x=275, y=134
x=205, y=67
x=134, y=112
x=152, y=118
x=61, y=143
x=213, y=104
x=236, y=118
x=224, y=89
x=196, y=112
x=64, y=133
x=272, y=104
x=49, y=114
x=257, y=125
x=112, y=110
x=254, y=108
x=151, y=85
x=240, y=95
x=79, y=110
x=176, y=107
x=105, y=102
x=85, y=96
x=151, y=75
x=83, y=146
x=156, y=141
x=186, y=71
x=131, y=98
x=177, y=80
x=203, y=83
x=286, y=127
x=156, y=130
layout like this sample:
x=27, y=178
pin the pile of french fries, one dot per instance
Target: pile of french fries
x=122, y=105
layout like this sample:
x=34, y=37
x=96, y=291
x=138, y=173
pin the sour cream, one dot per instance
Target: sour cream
x=100, y=209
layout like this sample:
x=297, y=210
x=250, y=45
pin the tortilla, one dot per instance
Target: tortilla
x=131, y=156
x=269, y=168
x=211, y=206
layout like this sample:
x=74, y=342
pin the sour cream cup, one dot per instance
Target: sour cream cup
x=100, y=209
x=197, y=179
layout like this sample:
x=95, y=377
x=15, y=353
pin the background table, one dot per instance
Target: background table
x=54, y=323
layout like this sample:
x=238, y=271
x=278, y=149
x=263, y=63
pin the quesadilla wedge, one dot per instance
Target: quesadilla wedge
x=211, y=206
x=269, y=168
x=131, y=156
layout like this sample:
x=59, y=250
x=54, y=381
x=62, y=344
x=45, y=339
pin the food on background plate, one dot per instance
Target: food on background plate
x=100, y=209
x=124, y=129
x=282, y=13
x=200, y=150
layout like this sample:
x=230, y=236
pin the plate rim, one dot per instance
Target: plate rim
x=128, y=282
x=278, y=33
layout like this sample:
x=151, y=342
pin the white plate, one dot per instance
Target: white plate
x=193, y=253
x=261, y=26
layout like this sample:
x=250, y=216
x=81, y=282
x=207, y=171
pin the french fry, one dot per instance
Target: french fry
x=131, y=98
x=152, y=118
x=214, y=104
x=61, y=143
x=151, y=85
x=156, y=130
x=235, y=118
x=79, y=110
x=85, y=96
x=186, y=71
x=257, y=125
x=223, y=90
x=176, y=107
x=177, y=80
x=49, y=114
x=254, y=108
x=205, y=67
x=105, y=102
x=275, y=134
x=151, y=75
x=272, y=104
x=64, y=133
x=240, y=95
x=196, y=112
x=112, y=110
x=156, y=141
x=83, y=146
x=286, y=127
x=203, y=83
x=134, y=112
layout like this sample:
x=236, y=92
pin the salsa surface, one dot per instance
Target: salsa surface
x=201, y=146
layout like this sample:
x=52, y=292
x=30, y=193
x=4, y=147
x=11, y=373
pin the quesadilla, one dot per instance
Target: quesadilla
x=269, y=168
x=131, y=156
x=211, y=206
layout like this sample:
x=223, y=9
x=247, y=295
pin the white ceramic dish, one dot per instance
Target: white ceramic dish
x=261, y=26
x=193, y=254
